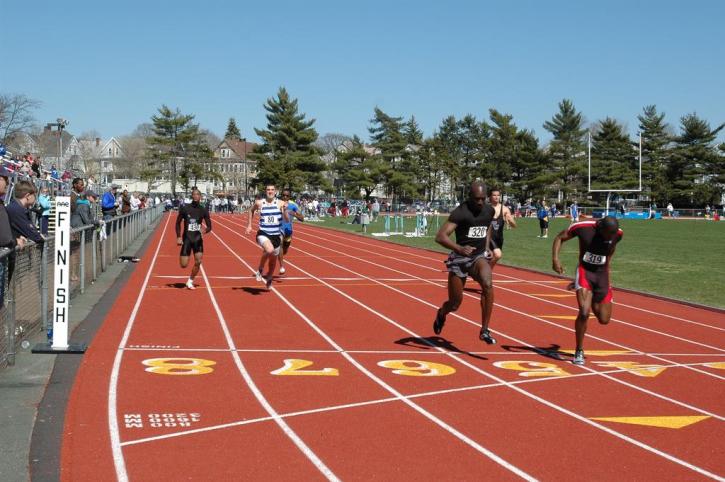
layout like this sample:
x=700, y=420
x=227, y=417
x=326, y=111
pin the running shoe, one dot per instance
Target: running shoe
x=269, y=281
x=485, y=335
x=258, y=275
x=282, y=270
x=578, y=357
x=190, y=285
x=439, y=322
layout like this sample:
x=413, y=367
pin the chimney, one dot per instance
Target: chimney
x=98, y=141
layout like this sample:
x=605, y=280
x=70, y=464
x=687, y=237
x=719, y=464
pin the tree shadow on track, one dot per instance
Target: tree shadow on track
x=551, y=351
x=429, y=342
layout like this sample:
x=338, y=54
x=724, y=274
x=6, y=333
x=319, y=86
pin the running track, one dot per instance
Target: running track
x=335, y=374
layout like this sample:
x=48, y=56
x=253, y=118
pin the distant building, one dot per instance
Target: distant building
x=97, y=156
x=235, y=167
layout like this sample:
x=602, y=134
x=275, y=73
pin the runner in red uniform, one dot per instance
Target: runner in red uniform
x=597, y=242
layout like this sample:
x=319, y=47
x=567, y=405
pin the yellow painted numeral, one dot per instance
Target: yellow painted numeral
x=718, y=365
x=415, y=368
x=533, y=369
x=634, y=368
x=179, y=366
x=294, y=366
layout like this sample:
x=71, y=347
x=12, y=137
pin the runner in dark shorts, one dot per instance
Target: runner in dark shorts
x=502, y=217
x=469, y=256
x=293, y=211
x=597, y=243
x=191, y=215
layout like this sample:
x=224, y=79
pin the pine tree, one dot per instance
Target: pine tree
x=287, y=156
x=530, y=170
x=501, y=149
x=411, y=131
x=695, y=165
x=175, y=138
x=360, y=169
x=386, y=134
x=655, y=153
x=232, y=130
x=567, y=150
x=614, y=160
x=447, y=152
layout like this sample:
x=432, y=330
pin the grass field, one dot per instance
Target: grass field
x=683, y=259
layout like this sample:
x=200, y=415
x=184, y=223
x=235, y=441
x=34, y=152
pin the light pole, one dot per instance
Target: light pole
x=60, y=124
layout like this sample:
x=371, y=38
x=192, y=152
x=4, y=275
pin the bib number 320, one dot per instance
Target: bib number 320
x=477, y=232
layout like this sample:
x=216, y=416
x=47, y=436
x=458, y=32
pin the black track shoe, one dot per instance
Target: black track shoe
x=438, y=323
x=485, y=335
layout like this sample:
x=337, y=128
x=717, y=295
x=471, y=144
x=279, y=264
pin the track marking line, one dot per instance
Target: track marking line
x=377, y=401
x=623, y=382
x=114, y=433
x=531, y=316
x=513, y=387
x=301, y=445
x=380, y=245
x=399, y=396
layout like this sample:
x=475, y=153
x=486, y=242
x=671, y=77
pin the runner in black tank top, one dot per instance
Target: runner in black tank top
x=501, y=218
x=190, y=240
x=469, y=256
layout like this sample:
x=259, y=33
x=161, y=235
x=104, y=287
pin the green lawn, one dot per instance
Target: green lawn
x=682, y=259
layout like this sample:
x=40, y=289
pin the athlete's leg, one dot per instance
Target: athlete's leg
x=183, y=261
x=455, y=294
x=497, y=255
x=603, y=312
x=197, y=265
x=482, y=272
x=584, y=299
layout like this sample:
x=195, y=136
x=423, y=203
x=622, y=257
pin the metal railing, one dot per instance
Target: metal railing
x=26, y=275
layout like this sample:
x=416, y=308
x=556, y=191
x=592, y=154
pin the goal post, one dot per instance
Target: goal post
x=610, y=190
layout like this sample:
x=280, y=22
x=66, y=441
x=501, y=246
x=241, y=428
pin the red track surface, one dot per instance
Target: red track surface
x=347, y=304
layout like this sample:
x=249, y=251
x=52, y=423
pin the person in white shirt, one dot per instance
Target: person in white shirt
x=135, y=202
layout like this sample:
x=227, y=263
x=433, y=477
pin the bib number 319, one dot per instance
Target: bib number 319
x=591, y=258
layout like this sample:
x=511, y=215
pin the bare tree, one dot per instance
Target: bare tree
x=210, y=138
x=330, y=143
x=134, y=156
x=16, y=115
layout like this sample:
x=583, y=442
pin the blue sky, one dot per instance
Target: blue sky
x=108, y=66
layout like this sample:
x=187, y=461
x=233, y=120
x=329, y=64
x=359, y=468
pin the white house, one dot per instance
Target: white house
x=96, y=156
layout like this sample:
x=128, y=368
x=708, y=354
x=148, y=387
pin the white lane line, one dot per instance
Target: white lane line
x=703, y=372
x=398, y=396
x=543, y=401
x=329, y=475
x=516, y=280
x=377, y=401
x=116, y=450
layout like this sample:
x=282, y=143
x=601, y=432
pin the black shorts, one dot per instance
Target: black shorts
x=497, y=242
x=595, y=281
x=192, y=244
x=275, y=240
x=543, y=224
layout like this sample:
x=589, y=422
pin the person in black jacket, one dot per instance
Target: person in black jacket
x=7, y=239
x=84, y=214
x=19, y=212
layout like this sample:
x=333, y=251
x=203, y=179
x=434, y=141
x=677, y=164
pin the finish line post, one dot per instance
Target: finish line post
x=61, y=291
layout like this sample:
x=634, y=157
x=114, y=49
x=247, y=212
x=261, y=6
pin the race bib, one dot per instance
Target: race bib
x=591, y=258
x=193, y=226
x=270, y=219
x=477, y=232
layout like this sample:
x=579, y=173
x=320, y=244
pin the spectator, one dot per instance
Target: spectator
x=108, y=203
x=652, y=211
x=25, y=167
x=670, y=210
x=44, y=201
x=375, y=209
x=54, y=173
x=707, y=211
x=35, y=166
x=7, y=239
x=84, y=213
x=77, y=190
x=134, y=202
x=543, y=215
x=19, y=212
x=574, y=212
x=125, y=202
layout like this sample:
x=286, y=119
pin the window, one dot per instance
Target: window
x=109, y=152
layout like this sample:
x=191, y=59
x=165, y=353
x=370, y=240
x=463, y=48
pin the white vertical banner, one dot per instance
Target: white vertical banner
x=61, y=261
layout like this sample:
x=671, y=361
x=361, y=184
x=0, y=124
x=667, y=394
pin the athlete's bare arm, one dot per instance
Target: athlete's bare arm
x=207, y=221
x=443, y=237
x=179, y=221
x=282, y=205
x=508, y=217
x=561, y=238
x=254, y=207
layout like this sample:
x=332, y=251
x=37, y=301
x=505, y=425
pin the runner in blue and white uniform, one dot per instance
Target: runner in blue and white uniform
x=272, y=212
x=574, y=212
x=293, y=211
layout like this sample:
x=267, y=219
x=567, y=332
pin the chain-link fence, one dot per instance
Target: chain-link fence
x=26, y=275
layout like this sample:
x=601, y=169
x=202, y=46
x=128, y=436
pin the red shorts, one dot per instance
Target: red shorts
x=595, y=281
